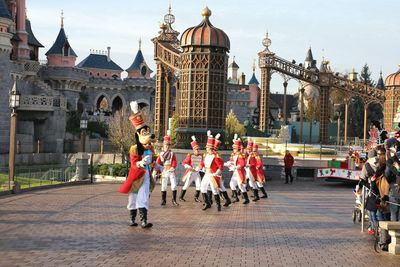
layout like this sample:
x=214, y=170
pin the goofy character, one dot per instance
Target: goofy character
x=140, y=182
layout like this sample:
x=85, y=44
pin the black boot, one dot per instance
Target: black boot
x=163, y=198
x=218, y=201
x=264, y=193
x=196, y=196
x=207, y=204
x=256, y=197
x=174, y=198
x=133, y=217
x=183, y=192
x=235, y=196
x=227, y=199
x=209, y=195
x=143, y=218
x=246, y=198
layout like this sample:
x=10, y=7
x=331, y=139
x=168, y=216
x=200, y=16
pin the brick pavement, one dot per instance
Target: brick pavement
x=304, y=224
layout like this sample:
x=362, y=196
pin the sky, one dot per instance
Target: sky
x=348, y=33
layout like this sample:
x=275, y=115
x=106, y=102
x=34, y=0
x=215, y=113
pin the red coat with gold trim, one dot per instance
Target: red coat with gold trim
x=136, y=174
x=259, y=166
x=251, y=162
x=239, y=161
x=188, y=161
x=216, y=164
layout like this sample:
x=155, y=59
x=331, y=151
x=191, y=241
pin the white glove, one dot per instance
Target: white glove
x=231, y=169
x=146, y=160
x=172, y=169
x=227, y=164
x=218, y=172
x=134, y=107
x=197, y=169
x=187, y=166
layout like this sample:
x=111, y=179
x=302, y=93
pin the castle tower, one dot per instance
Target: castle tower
x=253, y=88
x=61, y=53
x=203, y=79
x=5, y=35
x=22, y=51
x=139, y=68
x=233, y=72
x=309, y=62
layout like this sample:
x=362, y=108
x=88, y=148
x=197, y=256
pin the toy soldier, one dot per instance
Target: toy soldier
x=251, y=171
x=166, y=163
x=260, y=178
x=192, y=166
x=225, y=196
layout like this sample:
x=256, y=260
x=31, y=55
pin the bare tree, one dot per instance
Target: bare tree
x=120, y=132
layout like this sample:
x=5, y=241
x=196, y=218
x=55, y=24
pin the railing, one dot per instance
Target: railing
x=33, y=176
x=368, y=93
x=167, y=56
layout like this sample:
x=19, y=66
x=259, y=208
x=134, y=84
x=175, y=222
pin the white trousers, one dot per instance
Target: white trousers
x=252, y=181
x=206, y=182
x=140, y=199
x=234, y=182
x=168, y=176
x=194, y=177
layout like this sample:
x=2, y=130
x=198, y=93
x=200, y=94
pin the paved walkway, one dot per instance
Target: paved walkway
x=304, y=224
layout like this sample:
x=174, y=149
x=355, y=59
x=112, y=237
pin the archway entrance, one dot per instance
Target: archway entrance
x=102, y=104
x=117, y=104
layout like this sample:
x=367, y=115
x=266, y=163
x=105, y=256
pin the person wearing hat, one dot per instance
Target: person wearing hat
x=213, y=165
x=140, y=182
x=260, y=178
x=167, y=161
x=236, y=164
x=217, y=144
x=251, y=171
x=191, y=164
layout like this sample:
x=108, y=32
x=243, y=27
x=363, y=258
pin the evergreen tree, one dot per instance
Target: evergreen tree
x=365, y=76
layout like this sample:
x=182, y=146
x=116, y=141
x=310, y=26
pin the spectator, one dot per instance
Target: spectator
x=288, y=161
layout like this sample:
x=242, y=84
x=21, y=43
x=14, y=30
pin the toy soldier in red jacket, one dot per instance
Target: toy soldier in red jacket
x=260, y=178
x=192, y=166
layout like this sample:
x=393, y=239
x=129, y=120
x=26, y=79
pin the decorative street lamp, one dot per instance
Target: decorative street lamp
x=84, y=126
x=338, y=113
x=14, y=105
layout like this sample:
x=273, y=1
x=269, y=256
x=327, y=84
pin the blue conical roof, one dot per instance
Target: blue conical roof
x=381, y=83
x=4, y=12
x=31, y=37
x=138, y=62
x=254, y=80
x=97, y=61
x=59, y=44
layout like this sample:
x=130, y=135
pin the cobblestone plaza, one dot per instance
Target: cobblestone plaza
x=303, y=224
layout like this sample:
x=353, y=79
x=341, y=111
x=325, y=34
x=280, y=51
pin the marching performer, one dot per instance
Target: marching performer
x=166, y=162
x=139, y=182
x=213, y=165
x=192, y=166
x=217, y=144
x=251, y=169
x=260, y=178
x=236, y=164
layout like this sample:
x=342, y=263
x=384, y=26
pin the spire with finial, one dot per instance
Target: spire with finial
x=140, y=43
x=62, y=18
x=206, y=12
x=254, y=66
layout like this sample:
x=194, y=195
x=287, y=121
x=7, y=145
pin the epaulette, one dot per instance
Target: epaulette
x=217, y=155
x=133, y=150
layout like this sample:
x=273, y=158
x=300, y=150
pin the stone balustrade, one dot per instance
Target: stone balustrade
x=42, y=103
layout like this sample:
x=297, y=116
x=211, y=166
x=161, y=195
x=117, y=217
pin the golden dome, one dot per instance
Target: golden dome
x=393, y=79
x=205, y=34
x=206, y=12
